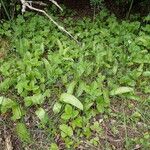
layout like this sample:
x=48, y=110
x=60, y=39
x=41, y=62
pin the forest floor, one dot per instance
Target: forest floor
x=124, y=125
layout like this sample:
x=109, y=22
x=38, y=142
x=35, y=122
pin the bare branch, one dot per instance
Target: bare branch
x=25, y=5
x=37, y=2
x=55, y=3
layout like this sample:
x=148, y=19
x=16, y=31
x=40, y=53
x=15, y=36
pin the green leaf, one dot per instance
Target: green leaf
x=77, y=122
x=47, y=93
x=57, y=107
x=69, y=113
x=121, y=90
x=17, y=112
x=35, y=99
x=42, y=115
x=106, y=96
x=146, y=74
x=68, y=109
x=136, y=114
x=133, y=97
x=96, y=127
x=71, y=87
x=66, y=130
x=1, y=99
x=70, y=99
x=75, y=113
x=81, y=88
x=6, y=104
x=5, y=85
x=47, y=66
x=23, y=133
x=65, y=116
x=61, y=49
x=54, y=147
x=115, y=68
x=100, y=105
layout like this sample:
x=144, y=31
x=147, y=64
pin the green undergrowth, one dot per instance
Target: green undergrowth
x=64, y=85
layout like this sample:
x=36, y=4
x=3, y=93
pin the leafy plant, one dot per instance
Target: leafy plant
x=68, y=85
x=23, y=133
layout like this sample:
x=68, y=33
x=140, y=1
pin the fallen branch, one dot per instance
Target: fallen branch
x=55, y=3
x=37, y=3
x=28, y=4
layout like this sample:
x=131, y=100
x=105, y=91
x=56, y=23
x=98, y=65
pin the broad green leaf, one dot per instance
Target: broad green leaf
x=6, y=104
x=100, y=105
x=133, y=97
x=33, y=100
x=68, y=109
x=71, y=87
x=106, y=96
x=66, y=130
x=69, y=113
x=136, y=114
x=61, y=49
x=146, y=74
x=47, y=65
x=115, y=68
x=47, y=93
x=57, y=107
x=77, y=122
x=70, y=99
x=65, y=116
x=42, y=115
x=81, y=88
x=147, y=89
x=5, y=85
x=23, y=132
x=54, y=147
x=147, y=18
x=1, y=99
x=121, y=90
x=17, y=112
x=75, y=113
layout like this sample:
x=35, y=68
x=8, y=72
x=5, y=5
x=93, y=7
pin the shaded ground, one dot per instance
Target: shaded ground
x=140, y=7
x=119, y=9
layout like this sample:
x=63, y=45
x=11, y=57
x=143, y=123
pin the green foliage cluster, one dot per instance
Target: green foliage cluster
x=45, y=67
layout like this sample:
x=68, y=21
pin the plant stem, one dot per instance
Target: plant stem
x=7, y=14
x=131, y=5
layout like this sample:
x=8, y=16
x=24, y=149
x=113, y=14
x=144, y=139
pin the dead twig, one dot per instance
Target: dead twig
x=37, y=2
x=25, y=5
x=55, y=3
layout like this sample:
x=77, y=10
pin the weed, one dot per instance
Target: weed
x=46, y=68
